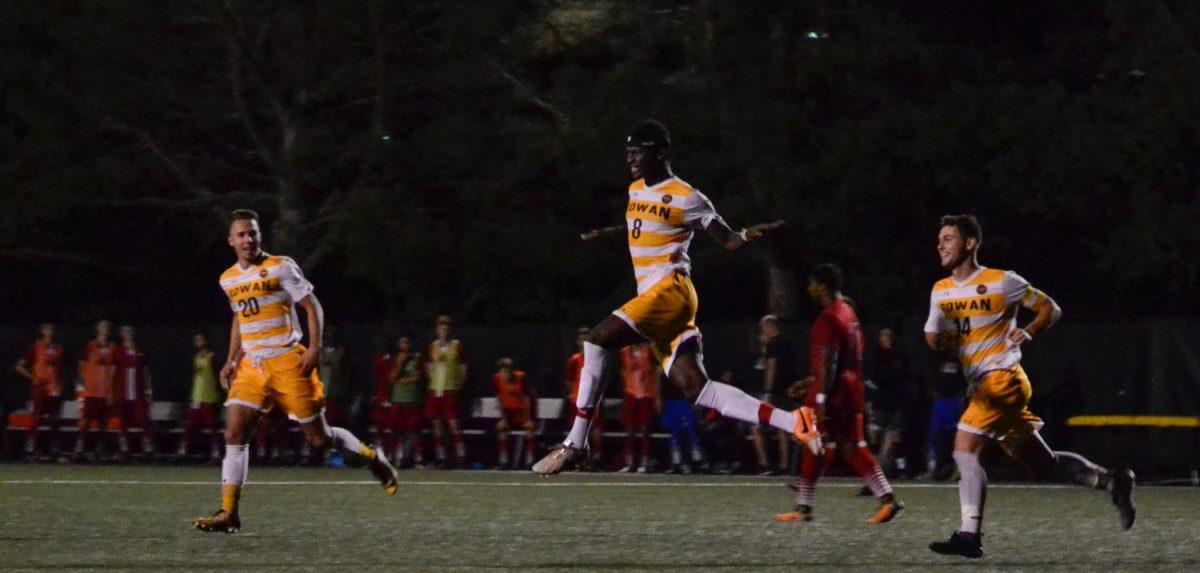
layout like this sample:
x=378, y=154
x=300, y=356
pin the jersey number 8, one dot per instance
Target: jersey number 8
x=636, y=231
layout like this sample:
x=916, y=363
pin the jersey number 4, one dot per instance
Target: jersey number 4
x=964, y=325
x=248, y=307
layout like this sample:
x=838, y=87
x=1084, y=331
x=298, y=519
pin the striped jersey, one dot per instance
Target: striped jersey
x=263, y=299
x=978, y=314
x=660, y=220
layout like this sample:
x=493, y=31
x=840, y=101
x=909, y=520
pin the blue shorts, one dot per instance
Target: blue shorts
x=678, y=415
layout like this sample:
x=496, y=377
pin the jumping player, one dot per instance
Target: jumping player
x=838, y=394
x=662, y=215
x=974, y=313
x=516, y=405
x=42, y=366
x=267, y=366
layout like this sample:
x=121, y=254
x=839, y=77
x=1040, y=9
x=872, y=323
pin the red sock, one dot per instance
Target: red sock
x=867, y=468
x=812, y=468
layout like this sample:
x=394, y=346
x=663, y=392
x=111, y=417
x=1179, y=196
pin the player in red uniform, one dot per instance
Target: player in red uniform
x=838, y=395
x=381, y=370
x=574, y=370
x=96, y=370
x=42, y=365
x=516, y=405
x=640, y=400
x=133, y=393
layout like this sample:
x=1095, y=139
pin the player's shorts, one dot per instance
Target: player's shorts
x=132, y=414
x=262, y=384
x=404, y=417
x=93, y=410
x=665, y=315
x=677, y=416
x=515, y=417
x=637, y=412
x=999, y=409
x=441, y=405
x=44, y=403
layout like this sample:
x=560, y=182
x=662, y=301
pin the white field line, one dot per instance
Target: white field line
x=566, y=484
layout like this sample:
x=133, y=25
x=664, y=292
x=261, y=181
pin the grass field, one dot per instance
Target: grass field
x=137, y=518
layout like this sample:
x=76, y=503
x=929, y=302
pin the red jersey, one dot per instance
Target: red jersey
x=97, y=371
x=381, y=369
x=131, y=374
x=639, y=372
x=574, y=370
x=45, y=363
x=513, y=393
x=836, y=330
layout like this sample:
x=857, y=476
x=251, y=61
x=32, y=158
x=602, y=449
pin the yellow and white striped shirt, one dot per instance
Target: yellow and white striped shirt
x=978, y=314
x=263, y=299
x=660, y=221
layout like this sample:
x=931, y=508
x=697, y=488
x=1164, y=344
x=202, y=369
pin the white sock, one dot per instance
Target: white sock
x=345, y=441
x=733, y=403
x=236, y=465
x=595, y=359
x=972, y=491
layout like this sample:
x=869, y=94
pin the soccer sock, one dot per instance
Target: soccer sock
x=628, y=451
x=460, y=447
x=811, y=469
x=1077, y=469
x=502, y=448
x=233, y=475
x=868, y=469
x=972, y=491
x=594, y=360
x=734, y=403
x=342, y=439
x=645, y=450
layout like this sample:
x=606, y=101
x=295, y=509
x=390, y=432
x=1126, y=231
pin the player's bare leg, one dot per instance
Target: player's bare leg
x=240, y=422
x=321, y=436
x=598, y=346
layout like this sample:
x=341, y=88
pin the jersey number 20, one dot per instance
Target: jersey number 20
x=248, y=307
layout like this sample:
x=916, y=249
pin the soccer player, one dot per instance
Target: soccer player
x=382, y=366
x=640, y=402
x=516, y=404
x=96, y=370
x=446, y=368
x=775, y=366
x=662, y=215
x=206, y=395
x=573, y=374
x=974, y=312
x=268, y=367
x=42, y=365
x=838, y=394
x=405, y=411
x=133, y=394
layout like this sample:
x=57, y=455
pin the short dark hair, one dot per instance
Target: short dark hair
x=829, y=275
x=650, y=134
x=242, y=215
x=967, y=225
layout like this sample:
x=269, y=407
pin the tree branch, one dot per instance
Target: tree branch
x=527, y=94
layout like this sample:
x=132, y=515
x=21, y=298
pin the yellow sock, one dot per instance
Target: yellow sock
x=366, y=452
x=229, y=497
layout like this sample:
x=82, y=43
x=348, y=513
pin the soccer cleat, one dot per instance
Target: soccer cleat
x=959, y=544
x=1122, y=496
x=802, y=513
x=561, y=457
x=887, y=512
x=383, y=470
x=806, y=430
x=221, y=522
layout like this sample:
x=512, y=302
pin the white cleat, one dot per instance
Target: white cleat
x=561, y=457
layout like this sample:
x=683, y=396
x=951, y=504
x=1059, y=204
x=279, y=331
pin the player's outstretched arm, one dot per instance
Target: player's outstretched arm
x=731, y=240
x=598, y=233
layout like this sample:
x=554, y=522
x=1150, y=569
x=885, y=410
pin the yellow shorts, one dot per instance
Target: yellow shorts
x=277, y=380
x=665, y=314
x=999, y=409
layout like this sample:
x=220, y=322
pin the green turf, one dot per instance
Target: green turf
x=515, y=521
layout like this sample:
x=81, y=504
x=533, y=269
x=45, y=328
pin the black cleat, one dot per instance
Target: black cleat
x=1122, y=496
x=958, y=544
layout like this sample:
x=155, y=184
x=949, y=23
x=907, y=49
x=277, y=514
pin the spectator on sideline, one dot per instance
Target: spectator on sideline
x=641, y=401
x=890, y=377
x=446, y=370
x=42, y=366
x=133, y=392
x=382, y=364
x=206, y=401
x=96, y=371
x=405, y=411
x=679, y=420
x=949, y=391
x=775, y=367
x=334, y=374
x=516, y=407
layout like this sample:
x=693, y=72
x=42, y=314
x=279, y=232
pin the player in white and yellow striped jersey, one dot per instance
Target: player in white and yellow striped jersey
x=267, y=367
x=973, y=313
x=662, y=215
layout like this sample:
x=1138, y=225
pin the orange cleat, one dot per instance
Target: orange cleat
x=887, y=512
x=806, y=430
x=801, y=514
